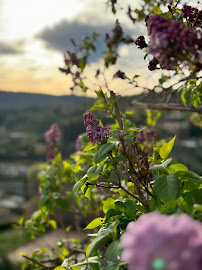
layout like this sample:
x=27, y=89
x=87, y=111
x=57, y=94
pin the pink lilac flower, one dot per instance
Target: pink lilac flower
x=95, y=132
x=52, y=136
x=173, y=43
x=162, y=242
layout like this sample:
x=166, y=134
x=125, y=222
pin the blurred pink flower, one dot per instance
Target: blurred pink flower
x=52, y=136
x=162, y=242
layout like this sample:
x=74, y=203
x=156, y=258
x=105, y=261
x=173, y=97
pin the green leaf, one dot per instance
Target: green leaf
x=99, y=169
x=79, y=184
x=87, y=191
x=63, y=203
x=166, y=148
x=112, y=213
x=184, y=96
x=113, y=266
x=190, y=176
x=95, y=223
x=176, y=167
x=100, y=94
x=156, y=10
x=89, y=146
x=92, y=172
x=197, y=195
x=169, y=207
x=102, y=238
x=102, y=151
x=109, y=204
x=113, y=251
x=52, y=223
x=57, y=158
x=127, y=206
x=97, y=107
x=162, y=166
x=167, y=187
x=76, y=267
x=59, y=268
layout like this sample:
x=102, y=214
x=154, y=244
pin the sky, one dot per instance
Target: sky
x=35, y=35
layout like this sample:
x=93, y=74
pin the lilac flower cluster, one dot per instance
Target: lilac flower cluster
x=162, y=242
x=192, y=15
x=147, y=135
x=95, y=132
x=172, y=42
x=71, y=59
x=117, y=30
x=52, y=136
x=120, y=74
x=140, y=42
x=152, y=64
x=113, y=41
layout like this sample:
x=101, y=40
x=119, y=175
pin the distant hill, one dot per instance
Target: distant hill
x=18, y=99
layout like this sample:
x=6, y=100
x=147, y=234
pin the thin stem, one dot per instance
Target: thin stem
x=38, y=263
x=117, y=115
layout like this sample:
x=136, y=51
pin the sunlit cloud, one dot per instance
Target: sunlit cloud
x=35, y=34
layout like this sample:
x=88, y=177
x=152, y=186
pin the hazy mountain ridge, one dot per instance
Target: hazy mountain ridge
x=18, y=99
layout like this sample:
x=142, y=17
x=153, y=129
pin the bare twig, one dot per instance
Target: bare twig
x=164, y=106
x=38, y=263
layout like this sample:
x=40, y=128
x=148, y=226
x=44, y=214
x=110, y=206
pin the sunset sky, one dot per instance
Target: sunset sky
x=35, y=34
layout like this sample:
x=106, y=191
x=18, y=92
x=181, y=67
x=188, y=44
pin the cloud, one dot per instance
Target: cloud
x=59, y=37
x=8, y=49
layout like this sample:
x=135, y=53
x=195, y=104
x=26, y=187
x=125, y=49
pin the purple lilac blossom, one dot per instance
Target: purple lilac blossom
x=162, y=242
x=71, y=59
x=117, y=30
x=152, y=64
x=89, y=119
x=192, y=15
x=140, y=42
x=172, y=42
x=120, y=74
x=95, y=132
x=52, y=136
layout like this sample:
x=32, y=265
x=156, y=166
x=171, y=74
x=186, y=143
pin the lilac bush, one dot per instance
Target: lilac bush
x=157, y=241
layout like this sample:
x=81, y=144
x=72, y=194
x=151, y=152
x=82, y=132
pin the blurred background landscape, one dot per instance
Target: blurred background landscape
x=24, y=118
